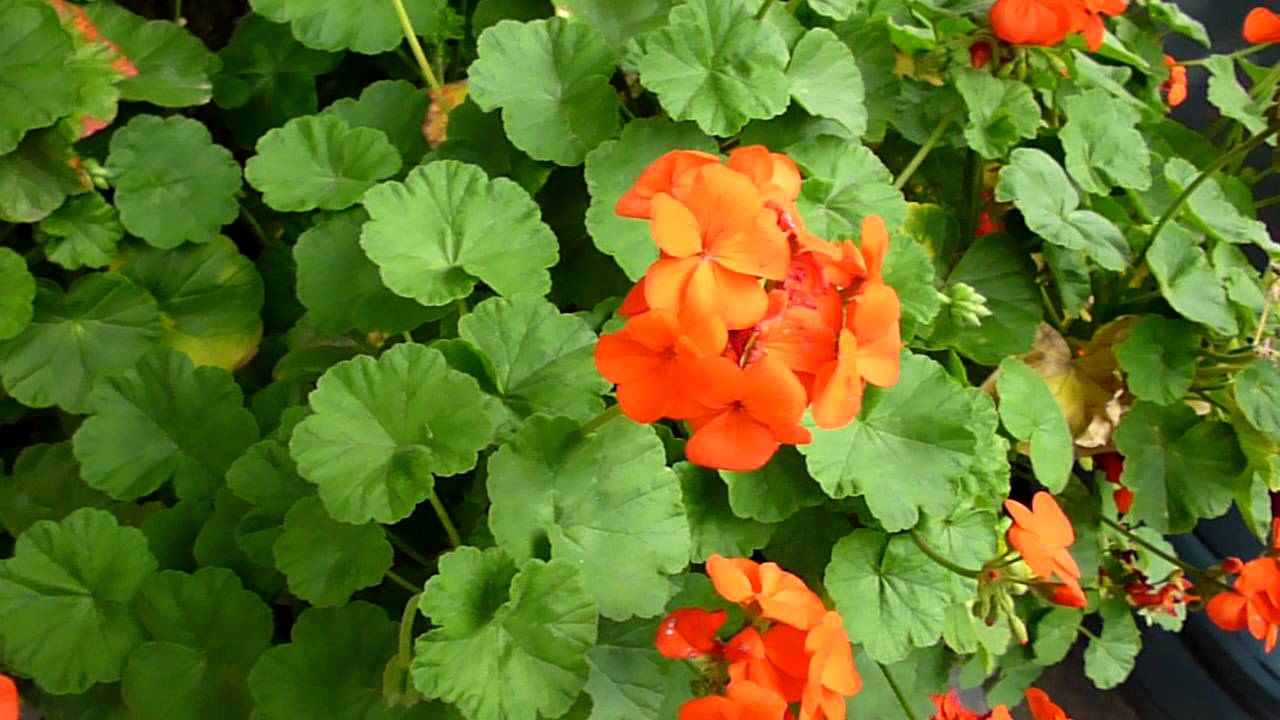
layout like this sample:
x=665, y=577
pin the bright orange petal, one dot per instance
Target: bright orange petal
x=1262, y=26
x=776, y=175
x=714, y=707
x=741, y=300
x=666, y=280
x=1229, y=611
x=837, y=388
x=761, y=251
x=723, y=201
x=1042, y=708
x=1051, y=523
x=657, y=330
x=875, y=246
x=735, y=579
x=786, y=599
x=1033, y=551
x=773, y=394
x=757, y=702
x=620, y=359
x=732, y=440
x=674, y=228
x=659, y=177
x=646, y=399
x=689, y=633
x=10, y=705
x=634, y=303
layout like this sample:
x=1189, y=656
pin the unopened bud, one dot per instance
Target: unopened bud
x=966, y=305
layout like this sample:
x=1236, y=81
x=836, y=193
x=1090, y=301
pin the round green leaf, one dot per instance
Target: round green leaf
x=1188, y=282
x=1110, y=656
x=38, y=176
x=826, y=81
x=319, y=161
x=715, y=64
x=1159, y=358
x=542, y=361
x=478, y=138
x=101, y=326
x=551, y=79
x=1211, y=209
x=384, y=427
x=172, y=182
x=629, y=679
x=619, y=22
x=17, y=294
x=163, y=420
x=846, y=182
x=502, y=653
x=206, y=633
x=265, y=477
x=173, y=65
x=909, y=271
x=1002, y=112
x=776, y=491
x=715, y=529
x=66, y=598
x=397, y=108
x=81, y=233
x=343, y=25
x=448, y=226
x=1103, y=145
x=325, y=560
x=45, y=485
x=340, y=286
x=1257, y=392
x=1030, y=412
x=35, y=54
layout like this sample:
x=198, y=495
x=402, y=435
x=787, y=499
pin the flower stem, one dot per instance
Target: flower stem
x=1266, y=312
x=397, y=579
x=408, y=550
x=1186, y=567
x=929, y=144
x=449, y=528
x=764, y=9
x=409, y=34
x=254, y=225
x=1234, y=56
x=937, y=557
x=600, y=420
x=461, y=306
x=898, y=693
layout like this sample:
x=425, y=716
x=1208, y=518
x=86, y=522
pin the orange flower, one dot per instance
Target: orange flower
x=766, y=590
x=717, y=241
x=662, y=176
x=743, y=701
x=1253, y=603
x=949, y=708
x=690, y=633
x=1067, y=593
x=1175, y=88
x=980, y=54
x=1031, y=22
x=749, y=413
x=832, y=675
x=659, y=361
x=10, y=703
x=1042, y=708
x=869, y=350
x=1042, y=536
x=1086, y=18
x=1262, y=26
x=775, y=175
x=776, y=660
x=800, y=333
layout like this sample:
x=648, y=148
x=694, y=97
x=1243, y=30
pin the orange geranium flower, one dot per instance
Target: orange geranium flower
x=689, y=633
x=1253, y=603
x=1262, y=26
x=1175, y=88
x=832, y=675
x=766, y=590
x=776, y=660
x=662, y=176
x=1042, y=708
x=949, y=708
x=869, y=350
x=660, y=361
x=1031, y=22
x=1067, y=593
x=1042, y=536
x=10, y=704
x=1087, y=18
x=749, y=413
x=717, y=242
x=743, y=700
x=775, y=175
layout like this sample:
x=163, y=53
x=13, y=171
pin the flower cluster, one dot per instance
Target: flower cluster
x=792, y=649
x=746, y=319
x=1253, y=602
x=1042, y=534
x=1049, y=22
x=1038, y=702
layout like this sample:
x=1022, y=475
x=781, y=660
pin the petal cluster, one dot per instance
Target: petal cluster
x=1049, y=22
x=1042, y=534
x=1042, y=708
x=747, y=319
x=1253, y=602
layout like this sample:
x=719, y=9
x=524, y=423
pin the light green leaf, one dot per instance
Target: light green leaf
x=846, y=182
x=1170, y=14
x=774, y=492
x=1030, y=413
x=611, y=170
x=892, y=596
x=163, y=420
x=82, y=233
x=1002, y=112
x=395, y=107
x=17, y=294
x=1104, y=148
x=715, y=64
x=905, y=451
x=1159, y=358
x=1211, y=210
x=166, y=202
x=69, y=621
x=319, y=161
x=45, y=485
x=1181, y=469
x=448, y=227
x=1187, y=281
x=715, y=529
x=543, y=361
x=478, y=138
x=1055, y=633
x=35, y=55
x=38, y=176
x=206, y=633
x=384, y=427
x=909, y=271
x=1229, y=96
x=174, y=66
x=629, y=679
x=551, y=79
x=340, y=286
x=618, y=22
x=325, y=560
x=1070, y=270
x=343, y=25
x=826, y=81
x=1257, y=392
x=1109, y=659
x=836, y=9
x=101, y=326
x=605, y=502
x=499, y=653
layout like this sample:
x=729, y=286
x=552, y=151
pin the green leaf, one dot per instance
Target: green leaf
x=605, y=502
x=448, y=227
x=715, y=64
x=1104, y=148
x=266, y=477
x=1212, y=211
x=613, y=167
x=216, y=545
x=210, y=297
x=543, y=361
x=206, y=633
x=69, y=621
x=846, y=182
x=38, y=176
x=776, y=491
x=920, y=428
x=1070, y=270
x=163, y=420
x=82, y=233
x=551, y=79
x=802, y=543
x=1002, y=112
x=916, y=677
x=714, y=527
x=1170, y=14
x=341, y=25
x=319, y=161
x=909, y=271
x=17, y=294
x=1110, y=658
x=162, y=200
x=174, y=66
x=35, y=54
x=892, y=596
x=45, y=485
x=499, y=653
x=836, y=9
x=1181, y=469
x=1257, y=392
x=340, y=286
x=1030, y=413
x=1035, y=182
x=384, y=427
x=1229, y=96
x=1159, y=358
x=618, y=22
x=1055, y=633
x=331, y=668
x=967, y=538
x=1187, y=281
x=325, y=560
x=826, y=81
x=395, y=107
x=629, y=679
x=101, y=326
x=479, y=138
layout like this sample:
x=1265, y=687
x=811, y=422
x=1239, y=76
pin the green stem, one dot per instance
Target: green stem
x=898, y=693
x=1266, y=312
x=177, y=10
x=255, y=226
x=1234, y=56
x=764, y=9
x=408, y=550
x=937, y=557
x=409, y=34
x=793, y=6
x=407, y=337
x=1209, y=399
x=929, y=144
x=461, y=306
x=449, y=528
x=1268, y=82
x=406, y=629
x=1266, y=203
x=1151, y=548
x=1225, y=159
x=1057, y=320
x=402, y=582
x=599, y=421
x=1088, y=633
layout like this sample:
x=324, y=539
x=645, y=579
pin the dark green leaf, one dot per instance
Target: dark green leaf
x=1109, y=659
x=714, y=527
x=82, y=233
x=1002, y=112
x=846, y=182
x=325, y=560
x=174, y=67
x=38, y=176
x=1187, y=281
x=343, y=25
x=17, y=294
x=395, y=107
x=35, y=54
x=1257, y=392
x=1103, y=145
x=1159, y=358
x=45, y=485
x=774, y=492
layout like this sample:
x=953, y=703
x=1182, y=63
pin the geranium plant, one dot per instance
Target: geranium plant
x=602, y=360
